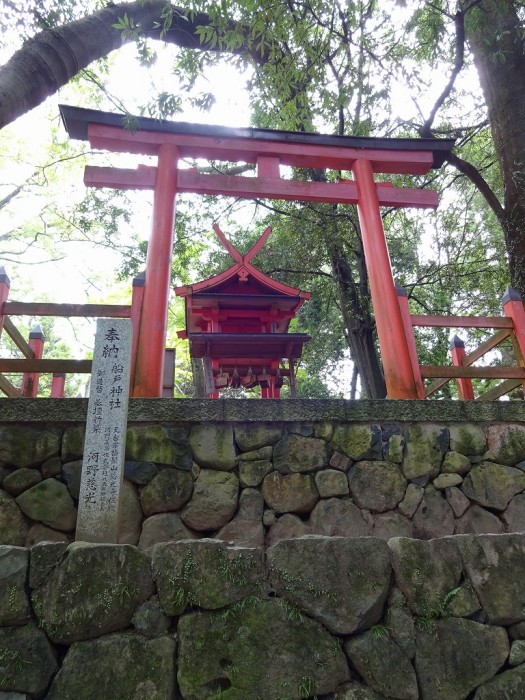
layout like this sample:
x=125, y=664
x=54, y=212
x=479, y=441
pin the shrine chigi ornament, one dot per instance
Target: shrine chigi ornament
x=237, y=323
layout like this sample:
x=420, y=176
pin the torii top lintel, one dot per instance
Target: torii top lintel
x=266, y=148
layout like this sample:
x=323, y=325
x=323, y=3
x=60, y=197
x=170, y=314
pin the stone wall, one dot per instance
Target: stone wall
x=256, y=477
x=246, y=569
x=333, y=618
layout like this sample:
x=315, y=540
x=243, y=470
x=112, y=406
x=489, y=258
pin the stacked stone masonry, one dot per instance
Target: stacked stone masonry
x=269, y=560
x=257, y=484
x=332, y=618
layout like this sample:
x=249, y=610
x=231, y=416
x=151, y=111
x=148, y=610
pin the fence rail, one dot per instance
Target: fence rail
x=463, y=369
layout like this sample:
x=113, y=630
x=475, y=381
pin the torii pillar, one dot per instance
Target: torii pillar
x=149, y=370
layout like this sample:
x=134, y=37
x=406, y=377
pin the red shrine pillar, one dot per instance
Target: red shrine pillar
x=149, y=369
x=399, y=376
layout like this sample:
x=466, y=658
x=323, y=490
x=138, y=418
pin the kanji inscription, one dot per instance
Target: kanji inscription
x=105, y=443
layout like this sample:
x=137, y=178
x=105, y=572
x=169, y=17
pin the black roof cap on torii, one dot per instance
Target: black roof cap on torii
x=77, y=119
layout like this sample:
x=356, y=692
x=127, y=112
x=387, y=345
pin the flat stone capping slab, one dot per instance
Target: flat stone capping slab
x=269, y=410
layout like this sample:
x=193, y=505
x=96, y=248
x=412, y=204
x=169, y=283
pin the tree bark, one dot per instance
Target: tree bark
x=53, y=57
x=360, y=326
x=495, y=34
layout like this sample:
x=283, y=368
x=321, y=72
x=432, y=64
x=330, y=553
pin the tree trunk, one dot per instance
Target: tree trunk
x=53, y=57
x=359, y=324
x=495, y=34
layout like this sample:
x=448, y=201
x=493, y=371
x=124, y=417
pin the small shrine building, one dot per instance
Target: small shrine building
x=237, y=324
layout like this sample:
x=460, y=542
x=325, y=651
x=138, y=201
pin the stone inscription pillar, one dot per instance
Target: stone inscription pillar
x=105, y=443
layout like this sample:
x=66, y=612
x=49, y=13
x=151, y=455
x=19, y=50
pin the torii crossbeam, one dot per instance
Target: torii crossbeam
x=268, y=150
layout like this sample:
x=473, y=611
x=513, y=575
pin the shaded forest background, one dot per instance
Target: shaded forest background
x=363, y=68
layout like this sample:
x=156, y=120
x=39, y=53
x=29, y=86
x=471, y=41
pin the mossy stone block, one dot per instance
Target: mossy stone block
x=212, y=446
x=238, y=653
x=94, y=590
x=28, y=446
x=207, y=573
x=118, y=666
x=357, y=441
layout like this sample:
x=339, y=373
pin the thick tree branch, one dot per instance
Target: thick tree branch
x=479, y=181
x=53, y=57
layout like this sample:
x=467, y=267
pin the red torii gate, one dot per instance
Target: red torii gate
x=267, y=149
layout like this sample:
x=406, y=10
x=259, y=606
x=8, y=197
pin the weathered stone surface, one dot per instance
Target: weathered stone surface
x=426, y=572
x=291, y=493
x=456, y=656
x=495, y=565
x=93, y=591
x=20, y=480
x=72, y=473
x=246, y=528
x=433, y=517
x=478, y=520
x=212, y=446
x=207, y=573
x=150, y=620
x=457, y=501
x=377, y=486
x=424, y=450
x=340, y=461
x=51, y=467
x=287, y=527
x=517, y=631
x=506, y=686
x=167, y=491
x=400, y=623
x=130, y=514
x=395, y=448
x=411, y=500
x=214, y=501
x=41, y=533
x=298, y=454
x=357, y=441
x=178, y=435
x=269, y=517
x=238, y=654
x=517, y=652
x=462, y=602
x=164, y=527
x=257, y=435
x=355, y=691
x=514, y=515
x=341, y=582
x=45, y=556
x=338, y=518
x=14, y=605
x=28, y=660
x=150, y=444
x=263, y=453
x=49, y=502
x=391, y=524
x=455, y=463
x=446, y=481
x=493, y=485
x=145, y=669
x=13, y=525
x=467, y=438
x=324, y=430
x=73, y=443
x=383, y=665
x=331, y=482
x=507, y=443
x=140, y=472
x=28, y=446
x=252, y=473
